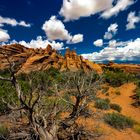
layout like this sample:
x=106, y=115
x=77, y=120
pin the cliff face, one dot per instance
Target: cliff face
x=42, y=59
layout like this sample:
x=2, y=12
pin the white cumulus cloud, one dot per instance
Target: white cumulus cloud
x=112, y=43
x=77, y=38
x=4, y=36
x=40, y=43
x=132, y=19
x=121, y=5
x=55, y=30
x=13, y=22
x=74, y=9
x=123, y=51
x=98, y=43
x=111, y=31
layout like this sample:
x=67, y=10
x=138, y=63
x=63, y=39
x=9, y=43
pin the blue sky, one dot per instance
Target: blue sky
x=100, y=30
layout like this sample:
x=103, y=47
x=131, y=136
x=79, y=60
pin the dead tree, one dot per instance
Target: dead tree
x=43, y=121
x=81, y=89
x=33, y=107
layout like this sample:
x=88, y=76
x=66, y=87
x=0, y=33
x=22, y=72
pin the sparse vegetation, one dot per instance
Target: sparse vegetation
x=105, y=104
x=116, y=77
x=116, y=107
x=7, y=94
x=102, y=104
x=118, y=121
x=136, y=96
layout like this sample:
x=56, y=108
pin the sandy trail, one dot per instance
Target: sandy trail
x=125, y=102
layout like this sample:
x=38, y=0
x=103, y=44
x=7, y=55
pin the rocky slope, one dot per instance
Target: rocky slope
x=42, y=59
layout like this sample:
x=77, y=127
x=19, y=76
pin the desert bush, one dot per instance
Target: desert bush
x=102, y=104
x=7, y=94
x=117, y=77
x=136, y=97
x=43, y=79
x=4, y=132
x=118, y=121
x=5, y=72
x=116, y=107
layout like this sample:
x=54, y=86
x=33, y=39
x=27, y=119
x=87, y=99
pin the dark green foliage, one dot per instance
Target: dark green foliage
x=116, y=107
x=118, y=121
x=8, y=94
x=42, y=79
x=5, y=73
x=117, y=77
x=102, y=104
x=28, y=82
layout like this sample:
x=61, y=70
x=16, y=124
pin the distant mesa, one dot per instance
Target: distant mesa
x=30, y=59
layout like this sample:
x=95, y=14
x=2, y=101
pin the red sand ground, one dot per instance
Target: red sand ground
x=125, y=102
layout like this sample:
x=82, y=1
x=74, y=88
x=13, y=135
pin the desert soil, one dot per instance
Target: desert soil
x=125, y=102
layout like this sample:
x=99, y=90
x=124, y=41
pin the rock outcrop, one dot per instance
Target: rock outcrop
x=29, y=59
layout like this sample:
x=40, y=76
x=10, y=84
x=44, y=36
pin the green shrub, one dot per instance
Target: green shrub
x=5, y=73
x=8, y=94
x=118, y=121
x=41, y=79
x=136, y=97
x=116, y=107
x=117, y=77
x=102, y=104
x=4, y=132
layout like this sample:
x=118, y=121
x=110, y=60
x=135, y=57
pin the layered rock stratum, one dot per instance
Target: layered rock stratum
x=29, y=59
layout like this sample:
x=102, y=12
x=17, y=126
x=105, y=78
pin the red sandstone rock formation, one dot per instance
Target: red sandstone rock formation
x=42, y=59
